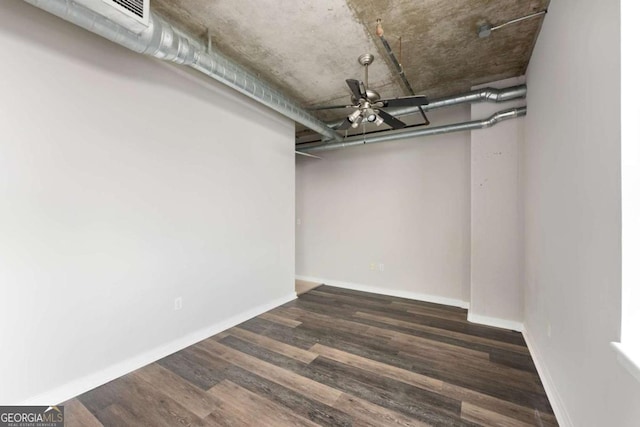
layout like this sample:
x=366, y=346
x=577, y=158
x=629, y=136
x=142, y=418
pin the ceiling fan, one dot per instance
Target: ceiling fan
x=368, y=105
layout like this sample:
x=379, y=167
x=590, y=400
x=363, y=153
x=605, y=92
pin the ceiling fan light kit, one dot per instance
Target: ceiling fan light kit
x=353, y=116
x=368, y=105
x=371, y=116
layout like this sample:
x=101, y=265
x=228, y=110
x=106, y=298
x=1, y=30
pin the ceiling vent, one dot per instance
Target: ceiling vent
x=131, y=14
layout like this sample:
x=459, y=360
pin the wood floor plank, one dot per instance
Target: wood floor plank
x=507, y=409
x=412, y=341
x=251, y=406
x=391, y=306
x=425, y=349
x=136, y=399
x=525, y=414
x=520, y=360
x=447, y=374
x=444, y=332
x=303, y=385
x=510, y=391
x=418, y=307
x=460, y=338
x=389, y=371
x=361, y=343
x=182, y=391
x=369, y=414
x=218, y=418
x=329, y=322
x=506, y=357
x=372, y=386
x=336, y=358
x=193, y=367
x=274, y=345
x=470, y=329
x=488, y=418
x=436, y=313
x=117, y=415
x=399, y=305
x=221, y=335
x=279, y=332
x=382, y=352
x=391, y=311
x=414, y=402
x=275, y=318
x=225, y=414
x=313, y=410
x=77, y=415
x=320, y=305
x=366, y=297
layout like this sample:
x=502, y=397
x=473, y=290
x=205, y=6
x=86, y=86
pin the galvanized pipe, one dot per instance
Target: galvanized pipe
x=479, y=95
x=163, y=41
x=395, y=136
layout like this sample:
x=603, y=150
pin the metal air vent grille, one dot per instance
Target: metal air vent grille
x=134, y=6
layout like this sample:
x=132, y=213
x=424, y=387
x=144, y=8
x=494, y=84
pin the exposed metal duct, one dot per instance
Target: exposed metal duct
x=479, y=95
x=395, y=136
x=162, y=40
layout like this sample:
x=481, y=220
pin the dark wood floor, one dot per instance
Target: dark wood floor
x=333, y=357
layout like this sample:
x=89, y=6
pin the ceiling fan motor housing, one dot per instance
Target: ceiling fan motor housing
x=368, y=102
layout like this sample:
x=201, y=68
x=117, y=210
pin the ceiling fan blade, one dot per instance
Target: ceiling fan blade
x=406, y=101
x=344, y=125
x=356, y=88
x=330, y=107
x=390, y=120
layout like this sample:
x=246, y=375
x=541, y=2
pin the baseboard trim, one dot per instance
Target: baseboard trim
x=389, y=292
x=495, y=322
x=559, y=409
x=89, y=382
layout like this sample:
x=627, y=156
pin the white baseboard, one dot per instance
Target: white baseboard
x=390, y=292
x=558, y=406
x=89, y=382
x=495, y=322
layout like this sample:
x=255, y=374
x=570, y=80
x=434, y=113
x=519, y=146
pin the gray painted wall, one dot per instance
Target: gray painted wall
x=572, y=214
x=125, y=184
x=401, y=204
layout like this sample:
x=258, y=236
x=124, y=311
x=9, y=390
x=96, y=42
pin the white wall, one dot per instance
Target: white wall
x=496, y=217
x=572, y=215
x=630, y=176
x=402, y=204
x=125, y=184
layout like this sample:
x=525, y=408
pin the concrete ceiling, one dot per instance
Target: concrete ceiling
x=308, y=48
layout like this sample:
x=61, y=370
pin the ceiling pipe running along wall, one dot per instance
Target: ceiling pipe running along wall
x=395, y=136
x=487, y=94
x=163, y=41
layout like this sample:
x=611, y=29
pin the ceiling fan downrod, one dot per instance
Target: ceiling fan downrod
x=365, y=60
